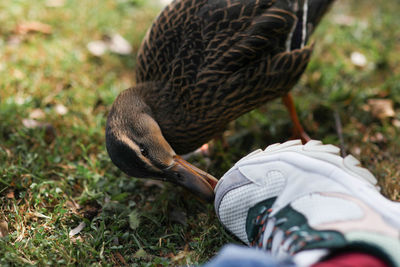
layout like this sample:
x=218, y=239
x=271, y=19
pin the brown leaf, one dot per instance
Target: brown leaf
x=91, y=210
x=33, y=26
x=79, y=238
x=73, y=205
x=77, y=229
x=10, y=195
x=3, y=228
x=121, y=258
x=381, y=108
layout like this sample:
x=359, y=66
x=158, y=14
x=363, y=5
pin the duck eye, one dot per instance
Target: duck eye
x=143, y=150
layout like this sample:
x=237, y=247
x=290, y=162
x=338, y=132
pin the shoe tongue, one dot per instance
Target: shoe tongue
x=328, y=209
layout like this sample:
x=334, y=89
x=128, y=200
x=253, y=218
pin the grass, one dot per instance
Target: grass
x=57, y=175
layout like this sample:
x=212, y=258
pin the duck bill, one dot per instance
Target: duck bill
x=192, y=178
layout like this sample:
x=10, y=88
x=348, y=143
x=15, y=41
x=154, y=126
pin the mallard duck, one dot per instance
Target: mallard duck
x=201, y=65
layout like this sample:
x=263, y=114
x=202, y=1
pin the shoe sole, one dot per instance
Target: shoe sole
x=358, y=180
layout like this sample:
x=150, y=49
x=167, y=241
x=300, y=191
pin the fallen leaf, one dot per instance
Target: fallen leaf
x=117, y=44
x=396, y=123
x=30, y=123
x=19, y=100
x=113, y=42
x=78, y=238
x=8, y=151
x=344, y=20
x=10, y=195
x=378, y=138
x=40, y=215
x=77, y=229
x=3, y=228
x=17, y=74
x=14, y=40
x=180, y=256
x=90, y=210
x=33, y=26
x=61, y=109
x=358, y=59
x=121, y=258
x=97, y=48
x=381, y=108
x=134, y=220
x=55, y=3
x=72, y=205
x=356, y=151
x=37, y=114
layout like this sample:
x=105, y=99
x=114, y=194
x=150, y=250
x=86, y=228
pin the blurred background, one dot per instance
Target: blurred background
x=62, y=64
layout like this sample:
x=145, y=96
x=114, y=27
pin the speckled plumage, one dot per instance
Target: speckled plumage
x=204, y=63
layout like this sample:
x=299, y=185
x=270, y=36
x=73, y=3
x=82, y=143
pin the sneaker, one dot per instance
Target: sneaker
x=302, y=200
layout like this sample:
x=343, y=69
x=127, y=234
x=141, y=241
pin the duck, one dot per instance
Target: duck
x=201, y=65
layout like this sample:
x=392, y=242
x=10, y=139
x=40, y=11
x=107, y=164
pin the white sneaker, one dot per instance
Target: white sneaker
x=293, y=198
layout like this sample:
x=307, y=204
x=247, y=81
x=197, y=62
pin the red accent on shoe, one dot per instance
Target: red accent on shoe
x=352, y=259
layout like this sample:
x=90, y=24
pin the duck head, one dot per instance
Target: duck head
x=136, y=145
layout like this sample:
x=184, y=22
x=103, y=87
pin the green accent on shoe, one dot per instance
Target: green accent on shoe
x=294, y=226
x=314, y=238
x=255, y=211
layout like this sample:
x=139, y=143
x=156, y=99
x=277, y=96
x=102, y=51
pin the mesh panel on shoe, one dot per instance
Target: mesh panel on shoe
x=320, y=209
x=236, y=203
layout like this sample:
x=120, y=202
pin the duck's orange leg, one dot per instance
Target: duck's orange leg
x=298, y=131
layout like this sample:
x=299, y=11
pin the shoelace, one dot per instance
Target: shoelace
x=271, y=237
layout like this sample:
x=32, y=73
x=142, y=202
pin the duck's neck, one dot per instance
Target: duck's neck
x=158, y=100
x=183, y=126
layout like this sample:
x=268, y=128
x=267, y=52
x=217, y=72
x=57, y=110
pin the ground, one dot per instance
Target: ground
x=55, y=174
